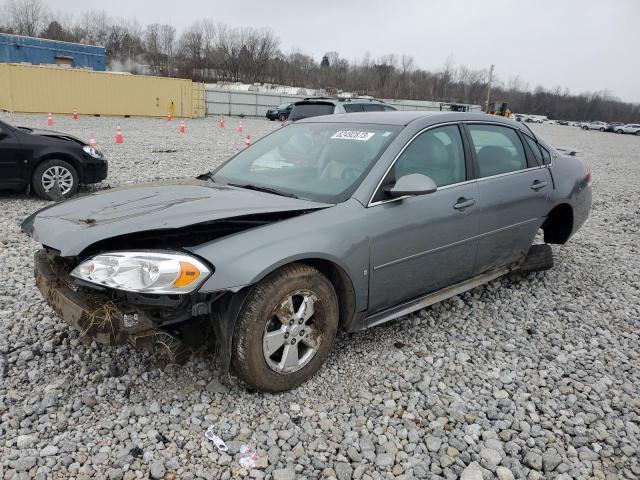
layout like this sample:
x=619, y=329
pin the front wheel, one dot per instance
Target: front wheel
x=53, y=179
x=620, y=131
x=585, y=128
x=285, y=329
x=601, y=129
x=282, y=117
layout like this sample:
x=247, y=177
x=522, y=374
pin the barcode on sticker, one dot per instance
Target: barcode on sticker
x=353, y=135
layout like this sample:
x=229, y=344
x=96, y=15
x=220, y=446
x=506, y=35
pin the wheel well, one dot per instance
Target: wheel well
x=342, y=285
x=559, y=224
x=60, y=156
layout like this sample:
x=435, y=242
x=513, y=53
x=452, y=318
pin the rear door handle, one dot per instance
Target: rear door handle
x=537, y=185
x=464, y=203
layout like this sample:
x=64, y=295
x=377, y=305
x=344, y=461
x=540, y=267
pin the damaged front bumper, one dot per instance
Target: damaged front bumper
x=172, y=326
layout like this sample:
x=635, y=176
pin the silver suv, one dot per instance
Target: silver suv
x=602, y=126
x=316, y=106
x=633, y=128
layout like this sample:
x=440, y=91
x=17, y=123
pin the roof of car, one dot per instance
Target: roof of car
x=404, y=117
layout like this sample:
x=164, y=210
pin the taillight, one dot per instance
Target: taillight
x=589, y=177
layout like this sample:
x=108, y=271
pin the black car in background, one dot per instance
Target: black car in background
x=52, y=163
x=614, y=126
x=316, y=106
x=280, y=113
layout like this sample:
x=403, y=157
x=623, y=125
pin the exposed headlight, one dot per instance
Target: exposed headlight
x=92, y=151
x=145, y=272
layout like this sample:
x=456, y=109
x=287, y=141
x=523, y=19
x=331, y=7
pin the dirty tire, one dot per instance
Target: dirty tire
x=282, y=117
x=539, y=257
x=248, y=359
x=46, y=166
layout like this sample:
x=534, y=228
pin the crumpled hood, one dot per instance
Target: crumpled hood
x=73, y=225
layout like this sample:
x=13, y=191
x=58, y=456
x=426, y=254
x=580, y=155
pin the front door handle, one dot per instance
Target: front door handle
x=537, y=185
x=463, y=203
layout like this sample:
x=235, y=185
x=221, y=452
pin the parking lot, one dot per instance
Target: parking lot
x=527, y=377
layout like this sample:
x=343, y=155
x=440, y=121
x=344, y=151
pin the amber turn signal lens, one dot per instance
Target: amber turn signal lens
x=188, y=273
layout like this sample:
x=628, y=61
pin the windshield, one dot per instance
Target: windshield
x=323, y=162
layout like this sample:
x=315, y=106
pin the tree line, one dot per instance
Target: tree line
x=210, y=52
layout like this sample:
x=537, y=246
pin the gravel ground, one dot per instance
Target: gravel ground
x=526, y=377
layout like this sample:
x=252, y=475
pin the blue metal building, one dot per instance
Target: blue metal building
x=18, y=49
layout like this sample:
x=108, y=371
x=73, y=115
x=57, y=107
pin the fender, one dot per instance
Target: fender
x=245, y=258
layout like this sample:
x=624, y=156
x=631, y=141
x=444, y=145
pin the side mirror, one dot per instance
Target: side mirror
x=413, y=184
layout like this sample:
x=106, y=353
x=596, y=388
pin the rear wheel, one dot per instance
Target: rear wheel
x=638, y=132
x=585, y=128
x=620, y=131
x=55, y=178
x=286, y=329
x=601, y=129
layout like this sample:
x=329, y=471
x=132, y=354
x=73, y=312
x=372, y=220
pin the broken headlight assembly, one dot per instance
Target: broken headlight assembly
x=144, y=272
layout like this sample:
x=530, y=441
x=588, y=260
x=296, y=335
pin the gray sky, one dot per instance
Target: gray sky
x=585, y=45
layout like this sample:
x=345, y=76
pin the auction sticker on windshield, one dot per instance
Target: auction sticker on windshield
x=353, y=135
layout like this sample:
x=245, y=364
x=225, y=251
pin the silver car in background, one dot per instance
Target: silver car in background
x=340, y=221
x=632, y=128
x=602, y=126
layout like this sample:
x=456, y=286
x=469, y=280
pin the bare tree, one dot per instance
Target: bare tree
x=167, y=39
x=152, y=47
x=26, y=17
x=191, y=45
x=230, y=44
x=259, y=47
x=209, y=36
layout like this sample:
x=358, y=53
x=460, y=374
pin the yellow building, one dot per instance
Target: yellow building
x=43, y=89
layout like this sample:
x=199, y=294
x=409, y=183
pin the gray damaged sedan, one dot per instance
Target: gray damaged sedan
x=341, y=221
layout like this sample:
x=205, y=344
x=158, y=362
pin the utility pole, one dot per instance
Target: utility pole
x=486, y=105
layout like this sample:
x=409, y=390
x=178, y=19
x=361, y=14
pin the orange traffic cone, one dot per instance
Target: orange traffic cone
x=118, y=134
x=50, y=120
x=221, y=121
x=92, y=140
x=74, y=116
x=247, y=141
x=169, y=117
x=182, y=129
x=240, y=127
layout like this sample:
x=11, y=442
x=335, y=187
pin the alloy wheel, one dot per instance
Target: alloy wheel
x=292, y=337
x=58, y=174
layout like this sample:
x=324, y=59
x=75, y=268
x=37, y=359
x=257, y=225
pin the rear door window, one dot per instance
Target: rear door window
x=372, y=107
x=545, y=155
x=498, y=149
x=305, y=110
x=533, y=145
x=352, y=107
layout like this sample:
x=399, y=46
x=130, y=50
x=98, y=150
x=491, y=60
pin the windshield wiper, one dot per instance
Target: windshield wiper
x=258, y=188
